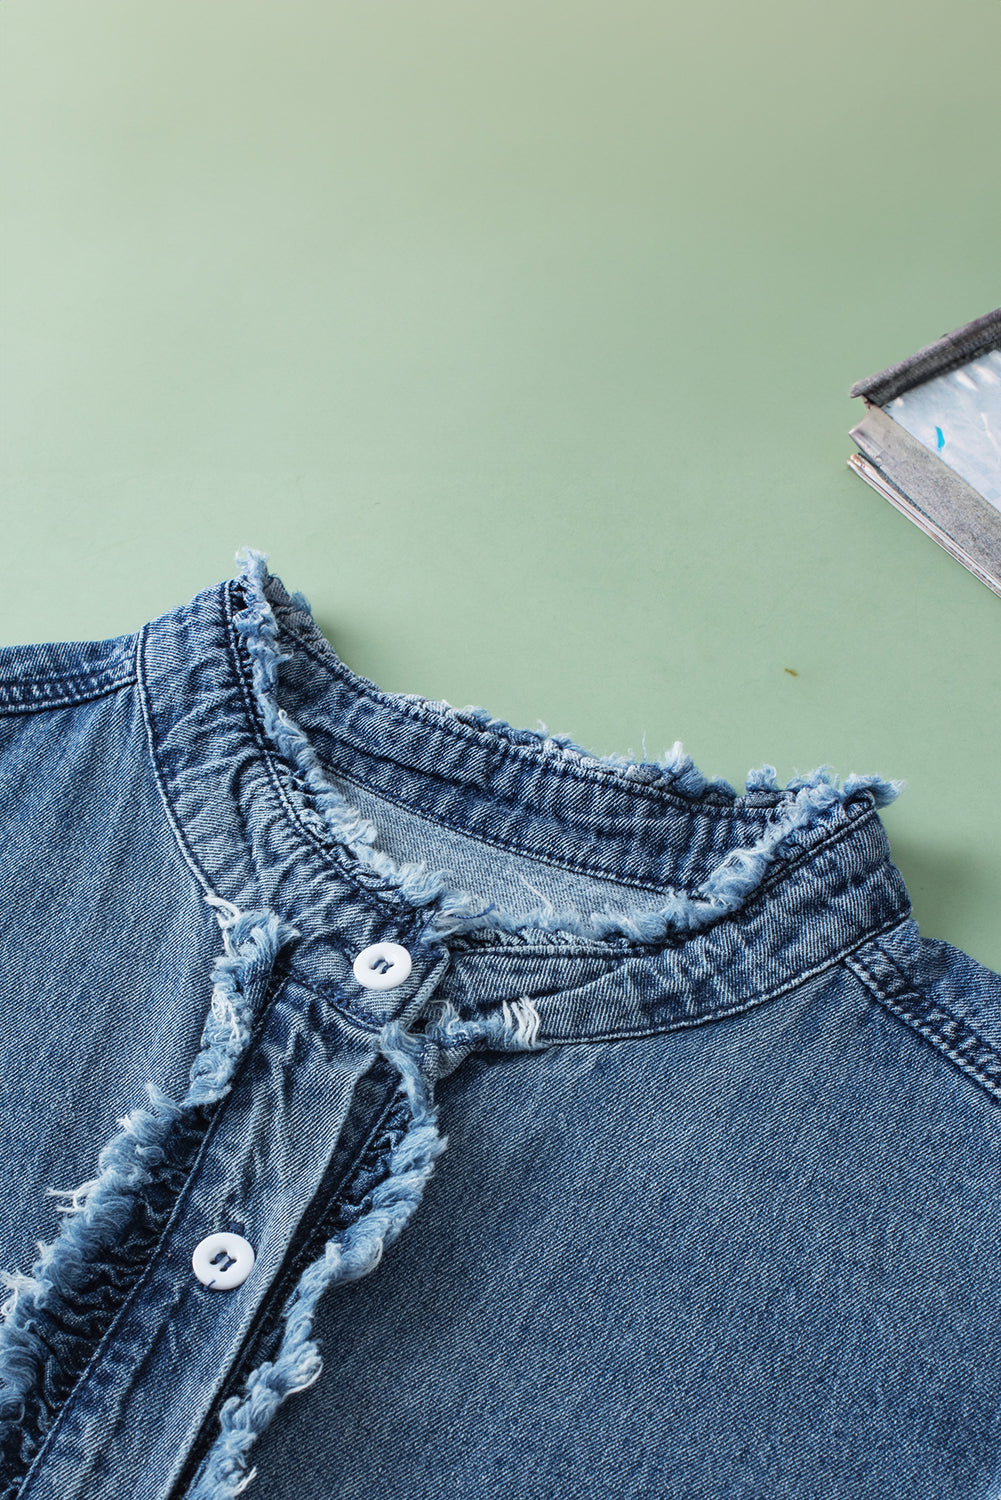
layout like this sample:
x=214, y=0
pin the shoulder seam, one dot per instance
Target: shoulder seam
x=958, y=1041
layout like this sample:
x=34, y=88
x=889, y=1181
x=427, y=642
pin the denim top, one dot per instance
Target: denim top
x=670, y=1168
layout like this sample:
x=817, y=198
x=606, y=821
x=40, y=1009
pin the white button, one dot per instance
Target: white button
x=383, y=966
x=222, y=1261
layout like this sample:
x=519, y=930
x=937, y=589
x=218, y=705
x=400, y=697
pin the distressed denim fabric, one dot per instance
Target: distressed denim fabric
x=672, y=1167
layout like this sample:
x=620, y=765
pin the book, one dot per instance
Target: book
x=930, y=442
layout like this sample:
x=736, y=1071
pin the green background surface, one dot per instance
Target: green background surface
x=520, y=336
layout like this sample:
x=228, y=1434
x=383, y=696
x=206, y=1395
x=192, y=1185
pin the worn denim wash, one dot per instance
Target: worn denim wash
x=672, y=1167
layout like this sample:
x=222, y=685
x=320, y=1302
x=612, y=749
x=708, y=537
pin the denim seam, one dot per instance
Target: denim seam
x=953, y=1037
x=13, y=703
x=569, y=950
x=173, y=817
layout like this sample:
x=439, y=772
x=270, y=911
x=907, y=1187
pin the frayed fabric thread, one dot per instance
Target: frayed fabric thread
x=358, y=1249
x=99, y=1210
x=515, y=1026
x=809, y=799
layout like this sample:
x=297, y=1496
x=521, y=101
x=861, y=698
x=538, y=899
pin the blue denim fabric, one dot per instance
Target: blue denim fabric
x=670, y=1170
